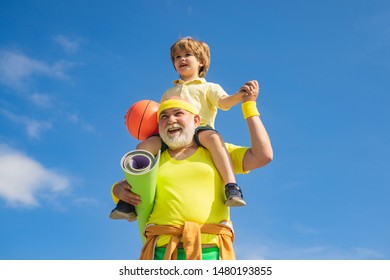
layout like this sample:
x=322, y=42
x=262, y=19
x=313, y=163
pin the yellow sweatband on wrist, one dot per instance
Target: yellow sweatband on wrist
x=114, y=198
x=249, y=109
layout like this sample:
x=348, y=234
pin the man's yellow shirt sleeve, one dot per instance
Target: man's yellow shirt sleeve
x=237, y=154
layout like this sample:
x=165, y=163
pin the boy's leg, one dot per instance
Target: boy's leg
x=213, y=142
x=123, y=211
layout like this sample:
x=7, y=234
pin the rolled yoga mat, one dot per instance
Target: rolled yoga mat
x=140, y=168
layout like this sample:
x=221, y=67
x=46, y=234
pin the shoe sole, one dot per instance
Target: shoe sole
x=235, y=202
x=117, y=215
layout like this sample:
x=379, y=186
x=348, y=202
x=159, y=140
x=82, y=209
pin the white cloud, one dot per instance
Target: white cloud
x=41, y=100
x=245, y=251
x=305, y=230
x=260, y=250
x=77, y=120
x=82, y=201
x=17, y=68
x=33, y=128
x=333, y=253
x=24, y=181
x=69, y=45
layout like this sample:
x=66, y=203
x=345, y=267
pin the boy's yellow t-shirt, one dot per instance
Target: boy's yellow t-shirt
x=192, y=190
x=202, y=94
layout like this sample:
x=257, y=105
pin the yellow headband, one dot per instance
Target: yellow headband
x=175, y=103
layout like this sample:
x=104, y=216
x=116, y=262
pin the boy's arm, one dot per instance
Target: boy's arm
x=228, y=101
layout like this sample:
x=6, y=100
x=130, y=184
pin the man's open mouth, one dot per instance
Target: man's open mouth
x=173, y=130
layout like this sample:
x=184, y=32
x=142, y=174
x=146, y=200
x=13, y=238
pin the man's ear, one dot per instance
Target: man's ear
x=197, y=120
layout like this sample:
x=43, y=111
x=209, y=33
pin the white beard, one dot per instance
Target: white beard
x=181, y=140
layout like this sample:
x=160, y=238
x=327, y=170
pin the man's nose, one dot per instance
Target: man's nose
x=171, y=119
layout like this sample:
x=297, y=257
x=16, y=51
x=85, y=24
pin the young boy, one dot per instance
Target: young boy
x=191, y=60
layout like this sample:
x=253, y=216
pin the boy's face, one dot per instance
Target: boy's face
x=187, y=65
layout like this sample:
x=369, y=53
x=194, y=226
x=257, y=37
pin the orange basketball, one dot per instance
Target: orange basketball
x=141, y=119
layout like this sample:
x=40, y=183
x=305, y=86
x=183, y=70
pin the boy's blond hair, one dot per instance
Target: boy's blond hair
x=198, y=48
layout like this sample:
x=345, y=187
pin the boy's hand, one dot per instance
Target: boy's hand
x=250, y=90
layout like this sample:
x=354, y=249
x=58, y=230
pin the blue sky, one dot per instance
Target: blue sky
x=70, y=69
